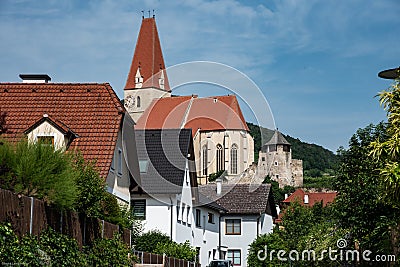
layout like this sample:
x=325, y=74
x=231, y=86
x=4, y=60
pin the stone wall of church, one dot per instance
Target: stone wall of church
x=146, y=95
x=227, y=139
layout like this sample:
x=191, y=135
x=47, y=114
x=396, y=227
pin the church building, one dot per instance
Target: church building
x=222, y=140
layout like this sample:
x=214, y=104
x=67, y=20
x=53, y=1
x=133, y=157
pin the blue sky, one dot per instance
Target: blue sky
x=316, y=61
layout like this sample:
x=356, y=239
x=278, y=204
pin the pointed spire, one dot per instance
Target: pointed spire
x=148, y=68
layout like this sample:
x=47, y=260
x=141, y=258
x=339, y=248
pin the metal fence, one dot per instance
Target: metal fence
x=162, y=260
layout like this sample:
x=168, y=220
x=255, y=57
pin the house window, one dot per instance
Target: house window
x=198, y=217
x=178, y=211
x=233, y=226
x=276, y=163
x=220, y=158
x=45, y=140
x=205, y=160
x=119, y=161
x=234, y=255
x=138, y=102
x=139, y=209
x=210, y=218
x=234, y=159
x=189, y=219
x=143, y=165
x=262, y=158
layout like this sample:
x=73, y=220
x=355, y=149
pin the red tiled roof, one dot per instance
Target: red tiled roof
x=206, y=114
x=313, y=197
x=92, y=111
x=148, y=57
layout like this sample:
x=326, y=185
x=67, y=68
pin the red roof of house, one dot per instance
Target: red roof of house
x=91, y=111
x=148, y=57
x=206, y=114
x=313, y=197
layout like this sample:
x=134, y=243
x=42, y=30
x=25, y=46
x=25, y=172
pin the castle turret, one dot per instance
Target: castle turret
x=275, y=160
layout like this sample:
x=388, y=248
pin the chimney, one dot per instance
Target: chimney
x=219, y=186
x=286, y=196
x=35, y=78
x=305, y=199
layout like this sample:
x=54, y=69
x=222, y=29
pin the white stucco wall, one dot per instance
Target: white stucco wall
x=240, y=242
x=206, y=236
x=118, y=183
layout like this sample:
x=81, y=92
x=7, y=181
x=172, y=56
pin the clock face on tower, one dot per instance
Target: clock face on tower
x=129, y=101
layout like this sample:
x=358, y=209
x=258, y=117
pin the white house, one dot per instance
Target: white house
x=250, y=211
x=164, y=195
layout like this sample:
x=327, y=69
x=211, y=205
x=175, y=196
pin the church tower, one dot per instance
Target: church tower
x=147, y=78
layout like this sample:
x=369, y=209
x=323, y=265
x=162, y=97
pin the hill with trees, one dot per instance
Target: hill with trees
x=316, y=159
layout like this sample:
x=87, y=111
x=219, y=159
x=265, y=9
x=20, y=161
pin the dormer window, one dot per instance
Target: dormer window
x=47, y=140
x=49, y=131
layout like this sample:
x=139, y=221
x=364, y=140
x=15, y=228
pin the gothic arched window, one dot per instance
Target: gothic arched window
x=234, y=159
x=220, y=158
x=138, y=102
x=205, y=159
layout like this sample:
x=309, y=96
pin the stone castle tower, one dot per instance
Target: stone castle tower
x=147, y=78
x=275, y=160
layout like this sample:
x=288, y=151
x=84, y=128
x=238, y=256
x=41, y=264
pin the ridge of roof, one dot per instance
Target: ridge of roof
x=148, y=58
x=205, y=113
x=239, y=198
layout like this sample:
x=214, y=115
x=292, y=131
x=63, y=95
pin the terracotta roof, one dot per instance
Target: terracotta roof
x=277, y=139
x=206, y=114
x=313, y=197
x=148, y=57
x=91, y=111
x=242, y=198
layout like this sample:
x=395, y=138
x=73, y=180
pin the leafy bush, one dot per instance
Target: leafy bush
x=148, y=241
x=55, y=249
x=279, y=193
x=215, y=176
x=50, y=249
x=180, y=251
x=109, y=252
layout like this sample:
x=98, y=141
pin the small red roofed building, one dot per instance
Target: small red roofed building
x=84, y=117
x=222, y=140
x=310, y=198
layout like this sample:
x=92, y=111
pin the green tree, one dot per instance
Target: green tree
x=39, y=171
x=388, y=149
x=358, y=205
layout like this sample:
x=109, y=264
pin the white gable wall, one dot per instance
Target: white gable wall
x=206, y=235
x=240, y=242
x=118, y=177
x=46, y=129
